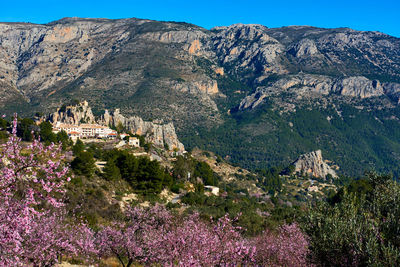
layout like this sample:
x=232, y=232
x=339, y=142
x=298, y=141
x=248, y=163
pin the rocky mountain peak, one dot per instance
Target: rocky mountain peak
x=241, y=31
x=312, y=164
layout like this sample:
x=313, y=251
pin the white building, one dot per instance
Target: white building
x=112, y=135
x=85, y=130
x=58, y=127
x=74, y=135
x=92, y=130
x=134, y=141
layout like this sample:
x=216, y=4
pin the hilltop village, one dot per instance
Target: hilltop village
x=93, y=132
x=79, y=122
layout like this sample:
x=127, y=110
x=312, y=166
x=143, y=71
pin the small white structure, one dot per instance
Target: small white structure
x=100, y=164
x=313, y=189
x=134, y=141
x=74, y=135
x=211, y=190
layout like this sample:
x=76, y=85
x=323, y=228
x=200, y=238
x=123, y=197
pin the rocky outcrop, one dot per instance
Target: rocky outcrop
x=304, y=84
x=194, y=41
x=73, y=114
x=304, y=48
x=206, y=86
x=312, y=164
x=393, y=91
x=358, y=87
x=159, y=134
x=247, y=46
x=219, y=71
x=177, y=36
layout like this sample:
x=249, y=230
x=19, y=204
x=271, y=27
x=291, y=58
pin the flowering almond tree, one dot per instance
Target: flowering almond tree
x=196, y=243
x=287, y=247
x=50, y=238
x=132, y=241
x=32, y=228
x=151, y=236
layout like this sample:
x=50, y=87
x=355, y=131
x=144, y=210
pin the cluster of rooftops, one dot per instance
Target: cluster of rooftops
x=90, y=131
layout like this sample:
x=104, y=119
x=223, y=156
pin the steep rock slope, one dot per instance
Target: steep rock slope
x=73, y=114
x=158, y=133
x=306, y=84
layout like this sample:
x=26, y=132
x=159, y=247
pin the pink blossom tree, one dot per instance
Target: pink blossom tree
x=32, y=183
x=50, y=238
x=187, y=244
x=287, y=247
x=131, y=241
x=152, y=236
x=196, y=243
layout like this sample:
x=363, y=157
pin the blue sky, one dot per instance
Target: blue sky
x=377, y=15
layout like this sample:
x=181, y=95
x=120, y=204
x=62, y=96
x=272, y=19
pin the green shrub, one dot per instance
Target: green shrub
x=84, y=164
x=361, y=227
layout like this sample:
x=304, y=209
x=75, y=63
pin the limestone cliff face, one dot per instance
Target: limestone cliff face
x=193, y=40
x=304, y=48
x=248, y=46
x=203, y=85
x=159, y=134
x=358, y=87
x=81, y=113
x=312, y=164
x=304, y=84
x=190, y=36
x=38, y=57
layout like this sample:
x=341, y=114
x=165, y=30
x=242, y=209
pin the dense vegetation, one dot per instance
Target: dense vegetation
x=141, y=173
x=359, y=226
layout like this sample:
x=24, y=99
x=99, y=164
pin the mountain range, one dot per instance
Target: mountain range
x=257, y=96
